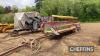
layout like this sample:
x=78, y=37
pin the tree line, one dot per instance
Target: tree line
x=7, y=13
x=15, y=9
x=85, y=10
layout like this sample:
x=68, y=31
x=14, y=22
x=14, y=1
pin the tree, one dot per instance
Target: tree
x=28, y=9
x=7, y=9
x=1, y=10
x=38, y=4
x=14, y=9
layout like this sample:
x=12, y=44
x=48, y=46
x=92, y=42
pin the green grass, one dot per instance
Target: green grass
x=7, y=18
x=90, y=20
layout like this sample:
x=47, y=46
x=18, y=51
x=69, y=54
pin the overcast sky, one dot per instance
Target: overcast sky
x=19, y=3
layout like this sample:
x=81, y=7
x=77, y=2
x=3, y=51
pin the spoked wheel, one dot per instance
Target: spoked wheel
x=14, y=33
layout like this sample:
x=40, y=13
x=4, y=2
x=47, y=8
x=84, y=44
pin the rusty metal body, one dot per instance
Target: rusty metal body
x=60, y=24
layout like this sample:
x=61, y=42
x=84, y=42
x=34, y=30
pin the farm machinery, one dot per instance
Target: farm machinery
x=60, y=24
x=52, y=25
x=29, y=21
x=6, y=27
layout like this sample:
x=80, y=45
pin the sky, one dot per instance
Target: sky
x=19, y=3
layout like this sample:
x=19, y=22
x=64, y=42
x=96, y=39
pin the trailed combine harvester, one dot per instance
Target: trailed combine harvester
x=53, y=25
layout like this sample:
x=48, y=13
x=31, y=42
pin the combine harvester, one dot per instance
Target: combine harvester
x=32, y=21
x=54, y=25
